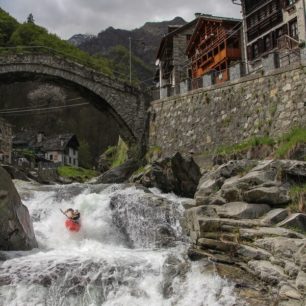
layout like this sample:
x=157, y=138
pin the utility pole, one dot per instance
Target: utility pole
x=130, y=49
x=244, y=25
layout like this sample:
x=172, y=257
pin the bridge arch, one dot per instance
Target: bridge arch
x=126, y=104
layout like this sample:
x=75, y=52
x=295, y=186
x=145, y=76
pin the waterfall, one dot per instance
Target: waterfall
x=130, y=251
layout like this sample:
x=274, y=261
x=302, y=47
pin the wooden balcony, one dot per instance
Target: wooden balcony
x=206, y=63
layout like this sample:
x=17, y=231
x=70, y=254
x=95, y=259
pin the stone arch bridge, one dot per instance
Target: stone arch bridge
x=127, y=104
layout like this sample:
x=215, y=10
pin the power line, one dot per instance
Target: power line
x=5, y=112
x=41, y=105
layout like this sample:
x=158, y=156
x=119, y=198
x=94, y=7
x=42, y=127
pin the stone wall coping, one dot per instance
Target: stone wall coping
x=242, y=80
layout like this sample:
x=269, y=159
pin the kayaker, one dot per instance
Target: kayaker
x=73, y=221
x=72, y=214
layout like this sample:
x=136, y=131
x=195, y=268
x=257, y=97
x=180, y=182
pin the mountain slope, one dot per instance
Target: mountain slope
x=144, y=43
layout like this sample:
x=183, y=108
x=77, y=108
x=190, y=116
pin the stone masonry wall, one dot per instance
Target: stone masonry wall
x=225, y=114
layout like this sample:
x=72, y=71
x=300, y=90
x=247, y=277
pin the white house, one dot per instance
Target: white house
x=62, y=149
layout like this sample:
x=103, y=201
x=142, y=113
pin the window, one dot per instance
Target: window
x=1, y=134
x=293, y=29
x=267, y=43
x=288, y=3
x=70, y=160
x=255, y=50
x=51, y=157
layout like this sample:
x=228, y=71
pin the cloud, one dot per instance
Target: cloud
x=68, y=17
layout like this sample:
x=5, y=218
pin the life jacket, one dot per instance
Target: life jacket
x=72, y=226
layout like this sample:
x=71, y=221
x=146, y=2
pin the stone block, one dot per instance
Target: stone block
x=275, y=216
x=295, y=221
x=242, y=210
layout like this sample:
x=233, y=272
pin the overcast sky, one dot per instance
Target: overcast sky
x=69, y=17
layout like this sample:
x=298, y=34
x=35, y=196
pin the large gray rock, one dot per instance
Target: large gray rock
x=295, y=169
x=301, y=281
x=295, y=221
x=15, y=173
x=266, y=271
x=119, y=174
x=242, y=210
x=145, y=219
x=281, y=247
x=212, y=181
x=268, y=195
x=275, y=216
x=178, y=174
x=16, y=230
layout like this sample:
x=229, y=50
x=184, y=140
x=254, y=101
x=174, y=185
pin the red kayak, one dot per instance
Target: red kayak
x=72, y=225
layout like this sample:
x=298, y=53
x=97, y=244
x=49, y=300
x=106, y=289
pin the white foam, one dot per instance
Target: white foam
x=94, y=266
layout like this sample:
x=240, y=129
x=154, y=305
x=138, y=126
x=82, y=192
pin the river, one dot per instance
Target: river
x=116, y=259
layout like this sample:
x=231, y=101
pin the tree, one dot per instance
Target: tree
x=30, y=18
x=85, y=159
x=7, y=26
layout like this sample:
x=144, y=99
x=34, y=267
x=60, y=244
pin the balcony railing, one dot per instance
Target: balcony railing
x=287, y=42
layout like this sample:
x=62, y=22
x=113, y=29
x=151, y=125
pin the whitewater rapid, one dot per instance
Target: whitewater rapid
x=99, y=265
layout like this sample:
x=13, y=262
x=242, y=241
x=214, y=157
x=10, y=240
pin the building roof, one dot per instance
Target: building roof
x=51, y=143
x=168, y=36
x=24, y=138
x=205, y=17
x=60, y=142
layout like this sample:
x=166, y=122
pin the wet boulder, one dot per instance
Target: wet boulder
x=242, y=210
x=119, y=174
x=16, y=230
x=269, y=195
x=145, y=219
x=178, y=174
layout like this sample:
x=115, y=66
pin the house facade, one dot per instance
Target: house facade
x=59, y=149
x=171, y=60
x=273, y=26
x=5, y=142
x=215, y=44
x=62, y=149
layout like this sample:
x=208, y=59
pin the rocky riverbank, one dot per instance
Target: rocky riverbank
x=244, y=217
x=16, y=230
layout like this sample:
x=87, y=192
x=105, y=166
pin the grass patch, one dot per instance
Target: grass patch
x=117, y=155
x=298, y=196
x=153, y=153
x=244, y=146
x=139, y=170
x=289, y=141
x=79, y=174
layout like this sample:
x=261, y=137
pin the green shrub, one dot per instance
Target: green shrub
x=244, y=146
x=117, y=155
x=80, y=174
x=289, y=141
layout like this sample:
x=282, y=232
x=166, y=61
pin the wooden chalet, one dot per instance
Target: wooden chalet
x=215, y=43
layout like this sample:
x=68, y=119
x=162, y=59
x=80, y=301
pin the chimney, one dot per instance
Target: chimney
x=197, y=15
x=40, y=137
